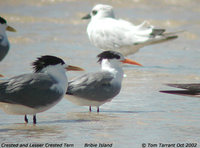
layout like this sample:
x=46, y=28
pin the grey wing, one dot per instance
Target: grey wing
x=182, y=92
x=1, y=38
x=94, y=86
x=191, y=87
x=32, y=90
x=192, y=90
x=3, y=49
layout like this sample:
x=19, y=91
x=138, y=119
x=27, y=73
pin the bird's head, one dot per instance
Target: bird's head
x=50, y=61
x=4, y=26
x=100, y=11
x=115, y=57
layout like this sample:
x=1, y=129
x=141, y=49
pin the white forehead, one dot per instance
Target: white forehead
x=121, y=56
x=102, y=7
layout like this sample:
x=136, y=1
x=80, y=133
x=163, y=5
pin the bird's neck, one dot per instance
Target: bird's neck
x=58, y=73
x=3, y=38
x=113, y=67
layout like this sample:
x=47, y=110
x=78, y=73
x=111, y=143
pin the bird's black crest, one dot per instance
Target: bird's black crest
x=2, y=20
x=45, y=61
x=108, y=55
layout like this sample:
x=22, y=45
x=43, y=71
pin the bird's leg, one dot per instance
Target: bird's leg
x=25, y=119
x=98, y=109
x=34, y=119
x=90, y=108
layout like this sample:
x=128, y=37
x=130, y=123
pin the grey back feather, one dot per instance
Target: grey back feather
x=94, y=86
x=32, y=90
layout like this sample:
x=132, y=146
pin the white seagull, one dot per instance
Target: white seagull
x=36, y=92
x=95, y=89
x=4, y=43
x=108, y=33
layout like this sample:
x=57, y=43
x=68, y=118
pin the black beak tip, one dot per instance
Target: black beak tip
x=88, y=16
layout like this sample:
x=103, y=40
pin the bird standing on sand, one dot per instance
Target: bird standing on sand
x=95, y=89
x=36, y=92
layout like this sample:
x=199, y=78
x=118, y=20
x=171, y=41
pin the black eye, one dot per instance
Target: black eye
x=94, y=12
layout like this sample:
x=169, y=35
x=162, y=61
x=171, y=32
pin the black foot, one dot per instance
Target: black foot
x=90, y=108
x=34, y=119
x=25, y=119
x=98, y=109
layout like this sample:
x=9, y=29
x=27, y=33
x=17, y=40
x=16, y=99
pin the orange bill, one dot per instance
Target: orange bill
x=128, y=61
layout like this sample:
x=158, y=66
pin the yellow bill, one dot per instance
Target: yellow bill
x=9, y=28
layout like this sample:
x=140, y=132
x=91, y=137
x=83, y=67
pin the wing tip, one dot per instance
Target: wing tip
x=157, y=31
x=181, y=92
x=167, y=91
x=172, y=37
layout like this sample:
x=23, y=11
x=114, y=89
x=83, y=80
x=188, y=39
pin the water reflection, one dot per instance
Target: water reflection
x=90, y=116
x=31, y=130
x=20, y=132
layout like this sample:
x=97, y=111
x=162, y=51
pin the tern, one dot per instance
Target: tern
x=95, y=89
x=4, y=43
x=108, y=33
x=192, y=89
x=36, y=92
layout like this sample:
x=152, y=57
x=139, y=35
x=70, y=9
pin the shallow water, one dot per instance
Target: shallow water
x=139, y=114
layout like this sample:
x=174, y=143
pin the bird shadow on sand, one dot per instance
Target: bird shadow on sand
x=129, y=111
x=5, y=130
x=63, y=121
x=71, y=117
